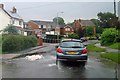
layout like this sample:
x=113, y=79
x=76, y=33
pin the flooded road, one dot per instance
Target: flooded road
x=44, y=66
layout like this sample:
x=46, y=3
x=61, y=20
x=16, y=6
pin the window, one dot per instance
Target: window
x=42, y=26
x=20, y=22
x=68, y=44
x=67, y=29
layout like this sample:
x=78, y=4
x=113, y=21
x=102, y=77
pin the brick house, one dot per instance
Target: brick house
x=68, y=29
x=80, y=25
x=63, y=29
x=37, y=26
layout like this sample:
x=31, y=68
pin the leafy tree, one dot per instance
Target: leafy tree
x=59, y=20
x=89, y=31
x=11, y=29
x=70, y=24
x=107, y=20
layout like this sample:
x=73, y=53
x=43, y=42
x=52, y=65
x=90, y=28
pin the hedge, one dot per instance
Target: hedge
x=12, y=43
x=110, y=36
x=53, y=36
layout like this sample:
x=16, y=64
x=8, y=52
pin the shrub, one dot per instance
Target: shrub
x=109, y=36
x=11, y=29
x=13, y=43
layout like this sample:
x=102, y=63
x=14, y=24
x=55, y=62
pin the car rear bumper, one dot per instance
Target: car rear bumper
x=72, y=57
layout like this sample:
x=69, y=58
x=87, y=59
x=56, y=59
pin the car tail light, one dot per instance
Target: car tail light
x=59, y=50
x=84, y=51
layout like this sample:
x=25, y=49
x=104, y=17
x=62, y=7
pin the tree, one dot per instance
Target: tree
x=70, y=24
x=97, y=24
x=89, y=31
x=59, y=20
x=11, y=30
x=107, y=20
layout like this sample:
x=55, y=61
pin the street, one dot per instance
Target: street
x=45, y=67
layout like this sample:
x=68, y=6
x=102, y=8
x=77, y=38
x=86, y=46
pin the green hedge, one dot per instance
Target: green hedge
x=11, y=43
x=110, y=36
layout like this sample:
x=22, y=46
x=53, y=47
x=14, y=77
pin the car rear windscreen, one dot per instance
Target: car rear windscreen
x=71, y=44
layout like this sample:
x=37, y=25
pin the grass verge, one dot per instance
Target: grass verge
x=93, y=48
x=115, y=46
x=114, y=56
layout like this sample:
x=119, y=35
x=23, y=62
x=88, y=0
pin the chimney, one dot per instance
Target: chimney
x=2, y=6
x=14, y=10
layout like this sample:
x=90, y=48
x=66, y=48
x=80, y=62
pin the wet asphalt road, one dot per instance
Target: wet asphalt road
x=45, y=67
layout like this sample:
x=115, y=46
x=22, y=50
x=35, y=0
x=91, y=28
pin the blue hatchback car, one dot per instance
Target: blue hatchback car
x=71, y=50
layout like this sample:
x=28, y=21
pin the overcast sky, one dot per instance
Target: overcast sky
x=49, y=10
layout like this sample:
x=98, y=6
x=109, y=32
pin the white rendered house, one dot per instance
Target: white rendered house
x=10, y=18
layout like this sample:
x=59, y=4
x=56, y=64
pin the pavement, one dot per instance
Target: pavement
x=29, y=51
x=107, y=49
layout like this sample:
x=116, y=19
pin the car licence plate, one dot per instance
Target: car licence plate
x=72, y=52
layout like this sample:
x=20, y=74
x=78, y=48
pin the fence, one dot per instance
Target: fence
x=51, y=40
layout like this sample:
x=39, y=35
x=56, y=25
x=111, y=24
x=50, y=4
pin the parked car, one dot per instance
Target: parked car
x=83, y=39
x=71, y=50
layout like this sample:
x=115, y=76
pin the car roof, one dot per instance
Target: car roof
x=71, y=40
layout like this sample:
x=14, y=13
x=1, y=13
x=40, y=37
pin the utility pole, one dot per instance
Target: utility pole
x=58, y=25
x=114, y=7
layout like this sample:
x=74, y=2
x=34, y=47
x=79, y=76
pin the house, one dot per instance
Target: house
x=67, y=30
x=80, y=25
x=10, y=18
x=43, y=27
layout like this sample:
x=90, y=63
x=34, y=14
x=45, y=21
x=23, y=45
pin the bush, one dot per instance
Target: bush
x=109, y=36
x=11, y=29
x=13, y=43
